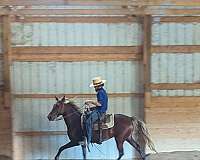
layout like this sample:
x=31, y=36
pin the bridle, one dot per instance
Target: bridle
x=70, y=114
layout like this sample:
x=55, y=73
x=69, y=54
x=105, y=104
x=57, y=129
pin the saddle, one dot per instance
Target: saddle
x=106, y=123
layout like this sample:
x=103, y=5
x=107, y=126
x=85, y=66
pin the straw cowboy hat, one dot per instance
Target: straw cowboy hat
x=97, y=81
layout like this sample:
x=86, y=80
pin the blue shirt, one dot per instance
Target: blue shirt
x=102, y=98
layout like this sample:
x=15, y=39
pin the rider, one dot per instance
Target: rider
x=98, y=107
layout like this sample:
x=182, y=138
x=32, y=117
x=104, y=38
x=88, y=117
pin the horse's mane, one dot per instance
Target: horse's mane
x=73, y=105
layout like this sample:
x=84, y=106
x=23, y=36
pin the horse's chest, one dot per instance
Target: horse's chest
x=73, y=134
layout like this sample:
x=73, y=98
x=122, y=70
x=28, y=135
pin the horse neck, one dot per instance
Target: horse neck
x=72, y=117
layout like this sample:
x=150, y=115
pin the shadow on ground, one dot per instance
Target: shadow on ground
x=178, y=155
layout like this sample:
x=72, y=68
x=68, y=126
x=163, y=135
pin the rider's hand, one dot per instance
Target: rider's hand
x=87, y=102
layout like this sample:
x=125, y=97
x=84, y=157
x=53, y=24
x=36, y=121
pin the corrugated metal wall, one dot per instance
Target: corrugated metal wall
x=176, y=68
x=70, y=77
x=174, y=127
x=76, y=34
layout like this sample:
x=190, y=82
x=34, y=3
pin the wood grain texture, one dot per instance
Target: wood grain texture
x=174, y=86
x=174, y=122
x=75, y=19
x=175, y=101
x=176, y=49
x=147, y=25
x=177, y=19
x=42, y=54
x=102, y=2
x=111, y=95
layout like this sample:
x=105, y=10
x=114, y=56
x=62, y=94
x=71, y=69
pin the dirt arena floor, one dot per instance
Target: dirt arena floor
x=179, y=155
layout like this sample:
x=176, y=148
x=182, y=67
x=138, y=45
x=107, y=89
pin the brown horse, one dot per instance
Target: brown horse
x=125, y=128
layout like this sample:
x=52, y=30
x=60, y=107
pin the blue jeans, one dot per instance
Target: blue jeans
x=91, y=118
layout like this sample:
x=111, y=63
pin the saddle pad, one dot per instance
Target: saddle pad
x=107, y=123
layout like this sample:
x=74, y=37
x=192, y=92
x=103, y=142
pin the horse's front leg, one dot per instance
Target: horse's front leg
x=68, y=145
x=84, y=151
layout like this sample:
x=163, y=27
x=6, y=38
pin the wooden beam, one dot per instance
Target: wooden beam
x=111, y=95
x=175, y=101
x=194, y=11
x=75, y=19
x=177, y=19
x=41, y=54
x=31, y=12
x=7, y=60
x=147, y=25
x=185, y=3
x=176, y=49
x=75, y=57
x=174, y=86
x=1, y=56
x=40, y=133
x=119, y=11
x=66, y=2
x=77, y=50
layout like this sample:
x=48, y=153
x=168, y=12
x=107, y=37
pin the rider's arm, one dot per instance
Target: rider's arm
x=95, y=103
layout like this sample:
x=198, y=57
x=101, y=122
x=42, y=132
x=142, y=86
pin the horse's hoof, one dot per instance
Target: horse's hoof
x=147, y=155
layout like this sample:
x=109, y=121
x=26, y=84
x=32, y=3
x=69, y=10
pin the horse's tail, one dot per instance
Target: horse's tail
x=141, y=133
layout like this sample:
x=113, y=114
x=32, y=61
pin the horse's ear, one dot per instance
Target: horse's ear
x=56, y=98
x=63, y=99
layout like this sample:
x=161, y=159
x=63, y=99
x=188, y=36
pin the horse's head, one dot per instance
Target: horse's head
x=57, y=110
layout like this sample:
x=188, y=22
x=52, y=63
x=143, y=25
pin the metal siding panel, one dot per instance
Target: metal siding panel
x=176, y=34
x=181, y=68
x=60, y=77
x=171, y=72
x=163, y=71
x=180, y=39
x=196, y=33
x=155, y=68
x=188, y=75
x=76, y=34
x=175, y=68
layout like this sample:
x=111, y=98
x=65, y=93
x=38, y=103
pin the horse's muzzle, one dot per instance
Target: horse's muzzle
x=50, y=118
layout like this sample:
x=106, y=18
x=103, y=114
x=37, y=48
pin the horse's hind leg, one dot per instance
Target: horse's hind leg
x=120, y=148
x=68, y=145
x=132, y=142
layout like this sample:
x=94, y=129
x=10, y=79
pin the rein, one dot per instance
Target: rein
x=71, y=114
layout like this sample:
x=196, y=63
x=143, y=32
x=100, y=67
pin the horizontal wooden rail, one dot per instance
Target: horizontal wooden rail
x=175, y=86
x=122, y=11
x=177, y=19
x=67, y=2
x=40, y=133
x=176, y=49
x=175, y=101
x=75, y=57
x=87, y=53
x=111, y=95
x=67, y=12
x=77, y=50
x=102, y=2
x=75, y=19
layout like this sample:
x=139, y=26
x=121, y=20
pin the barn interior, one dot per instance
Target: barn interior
x=147, y=50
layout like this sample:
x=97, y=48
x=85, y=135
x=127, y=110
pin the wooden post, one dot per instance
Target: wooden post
x=6, y=80
x=147, y=21
x=7, y=59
